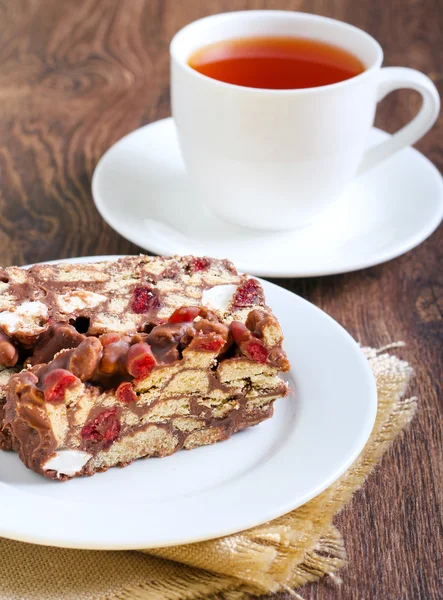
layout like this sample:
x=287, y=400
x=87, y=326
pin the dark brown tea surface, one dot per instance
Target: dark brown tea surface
x=277, y=63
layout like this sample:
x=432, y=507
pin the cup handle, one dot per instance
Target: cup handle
x=396, y=78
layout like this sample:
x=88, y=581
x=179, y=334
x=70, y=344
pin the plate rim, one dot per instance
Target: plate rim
x=396, y=249
x=270, y=514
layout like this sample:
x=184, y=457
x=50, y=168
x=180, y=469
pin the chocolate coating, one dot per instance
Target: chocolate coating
x=8, y=352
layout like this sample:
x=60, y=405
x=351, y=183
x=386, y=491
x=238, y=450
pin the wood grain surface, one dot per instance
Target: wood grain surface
x=76, y=75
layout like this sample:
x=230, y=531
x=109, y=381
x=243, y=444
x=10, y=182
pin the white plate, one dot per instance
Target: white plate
x=141, y=189
x=255, y=476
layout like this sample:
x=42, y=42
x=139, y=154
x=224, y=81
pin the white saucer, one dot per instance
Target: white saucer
x=212, y=491
x=141, y=189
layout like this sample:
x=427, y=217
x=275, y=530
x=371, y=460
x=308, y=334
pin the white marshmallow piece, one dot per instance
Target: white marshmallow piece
x=24, y=317
x=79, y=300
x=219, y=297
x=67, y=462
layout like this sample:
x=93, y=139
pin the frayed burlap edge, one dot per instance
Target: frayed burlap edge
x=282, y=555
x=303, y=546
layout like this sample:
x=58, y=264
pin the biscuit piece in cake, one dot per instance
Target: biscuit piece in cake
x=5, y=437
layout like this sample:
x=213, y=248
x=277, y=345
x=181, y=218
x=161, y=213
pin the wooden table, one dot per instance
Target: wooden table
x=76, y=75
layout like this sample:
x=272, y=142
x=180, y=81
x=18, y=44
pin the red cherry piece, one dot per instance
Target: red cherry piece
x=125, y=393
x=144, y=300
x=249, y=344
x=104, y=428
x=109, y=338
x=56, y=383
x=184, y=314
x=257, y=352
x=207, y=343
x=140, y=361
x=200, y=264
x=248, y=293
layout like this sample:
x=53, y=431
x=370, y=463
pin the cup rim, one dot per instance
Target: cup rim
x=182, y=62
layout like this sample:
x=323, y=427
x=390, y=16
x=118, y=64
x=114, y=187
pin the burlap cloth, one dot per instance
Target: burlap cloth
x=297, y=548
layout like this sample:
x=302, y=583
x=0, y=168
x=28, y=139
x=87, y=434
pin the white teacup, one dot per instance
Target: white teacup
x=275, y=159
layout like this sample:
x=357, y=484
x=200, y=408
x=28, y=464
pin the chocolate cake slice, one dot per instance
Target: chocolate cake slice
x=104, y=363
